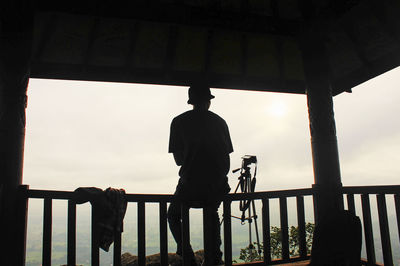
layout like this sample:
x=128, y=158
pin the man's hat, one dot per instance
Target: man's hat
x=199, y=93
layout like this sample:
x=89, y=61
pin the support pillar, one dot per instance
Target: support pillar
x=327, y=180
x=15, y=47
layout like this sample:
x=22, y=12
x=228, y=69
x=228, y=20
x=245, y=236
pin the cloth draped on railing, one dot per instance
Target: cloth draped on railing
x=110, y=207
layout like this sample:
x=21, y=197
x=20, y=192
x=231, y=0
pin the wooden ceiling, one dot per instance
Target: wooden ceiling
x=238, y=44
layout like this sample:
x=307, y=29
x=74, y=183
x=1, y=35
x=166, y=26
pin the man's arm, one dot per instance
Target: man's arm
x=175, y=144
x=178, y=156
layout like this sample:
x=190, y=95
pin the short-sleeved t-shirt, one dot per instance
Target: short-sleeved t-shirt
x=202, y=137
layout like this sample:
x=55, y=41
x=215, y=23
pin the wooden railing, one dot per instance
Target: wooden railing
x=381, y=193
x=264, y=197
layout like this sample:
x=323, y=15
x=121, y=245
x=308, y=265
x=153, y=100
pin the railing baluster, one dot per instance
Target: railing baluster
x=227, y=233
x=22, y=217
x=350, y=203
x=384, y=228
x=141, y=233
x=266, y=231
x=208, y=234
x=95, y=239
x=302, y=226
x=368, y=233
x=71, y=234
x=47, y=231
x=117, y=248
x=397, y=206
x=163, y=233
x=185, y=234
x=315, y=212
x=284, y=227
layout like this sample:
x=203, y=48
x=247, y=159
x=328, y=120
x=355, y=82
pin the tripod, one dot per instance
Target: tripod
x=247, y=184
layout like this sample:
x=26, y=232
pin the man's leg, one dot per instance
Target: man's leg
x=175, y=224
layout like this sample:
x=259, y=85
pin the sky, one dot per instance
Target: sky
x=84, y=134
x=116, y=135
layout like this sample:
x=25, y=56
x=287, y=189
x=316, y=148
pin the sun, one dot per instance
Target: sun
x=277, y=109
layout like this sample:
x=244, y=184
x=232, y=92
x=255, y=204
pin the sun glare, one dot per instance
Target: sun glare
x=277, y=109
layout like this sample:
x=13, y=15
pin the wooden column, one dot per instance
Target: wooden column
x=327, y=180
x=15, y=46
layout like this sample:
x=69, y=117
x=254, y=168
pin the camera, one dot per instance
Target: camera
x=249, y=159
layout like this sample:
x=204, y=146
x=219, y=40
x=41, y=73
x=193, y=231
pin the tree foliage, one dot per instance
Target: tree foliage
x=251, y=252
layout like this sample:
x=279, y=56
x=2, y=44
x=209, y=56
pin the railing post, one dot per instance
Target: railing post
x=117, y=248
x=71, y=233
x=163, y=233
x=397, y=206
x=227, y=233
x=384, y=228
x=208, y=231
x=141, y=234
x=350, y=203
x=314, y=199
x=22, y=218
x=95, y=260
x=368, y=233
x=284, y=228
x=266, y=231
x=47, y=231
x=302, y=226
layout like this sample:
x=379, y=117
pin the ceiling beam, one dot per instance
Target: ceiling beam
x=228, y=19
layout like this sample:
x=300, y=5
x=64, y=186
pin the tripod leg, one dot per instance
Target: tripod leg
x=256, y=227
x=249, y=209
x=237, y=186
x=250, y=240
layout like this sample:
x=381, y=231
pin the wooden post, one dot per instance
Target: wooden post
x=227, y=232
x=15, y=46
x=327, y=180
x=141, y=210
x=22, y=218
x=209, y=236
x=163, y=233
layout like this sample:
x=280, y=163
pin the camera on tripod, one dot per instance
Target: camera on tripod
x=247, y=184
x=248, y=159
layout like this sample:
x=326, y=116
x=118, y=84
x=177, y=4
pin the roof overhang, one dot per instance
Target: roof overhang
x=248, y=45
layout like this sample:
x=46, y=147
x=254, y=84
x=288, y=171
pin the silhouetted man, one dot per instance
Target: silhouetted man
x=201, y=144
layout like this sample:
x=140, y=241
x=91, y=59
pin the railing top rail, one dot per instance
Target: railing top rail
x=149, y=197
x=67, y=195
x=271, y=194
x=391, y=189
x=52, y=194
